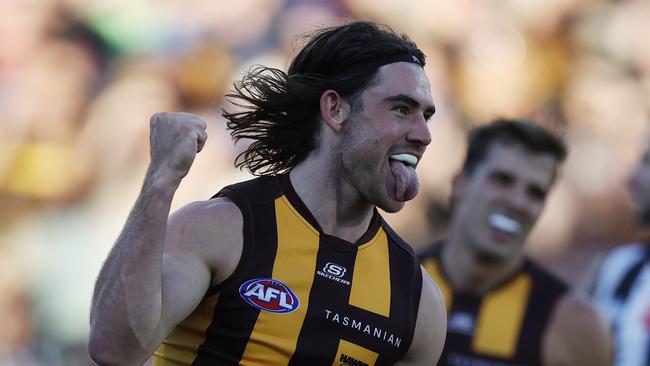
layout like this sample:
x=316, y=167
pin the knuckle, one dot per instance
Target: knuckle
x=154, y=118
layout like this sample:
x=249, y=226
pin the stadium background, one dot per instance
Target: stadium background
x=79, y=80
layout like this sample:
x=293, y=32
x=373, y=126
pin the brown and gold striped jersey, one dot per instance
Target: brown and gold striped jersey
x=505, y=326
x=300, y=296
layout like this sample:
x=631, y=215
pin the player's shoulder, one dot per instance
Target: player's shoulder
x=212, y=211
x=577, y=325
x=575, y=317
x=206, y=222
x=211, y=230
x=257, y=191
x=577, y=309
x=431, y=325
x=431, y=289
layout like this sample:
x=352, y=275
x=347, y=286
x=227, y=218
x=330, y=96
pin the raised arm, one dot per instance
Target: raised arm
x=430, y=329
x=577, y=335
x=158, y=270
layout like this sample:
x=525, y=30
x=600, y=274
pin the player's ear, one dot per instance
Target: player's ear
x=334, y=109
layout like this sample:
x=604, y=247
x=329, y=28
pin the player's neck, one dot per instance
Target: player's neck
x=468, y=273
x=338, y=210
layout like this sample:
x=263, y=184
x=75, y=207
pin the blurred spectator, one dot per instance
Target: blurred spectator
x=42, y=112
x=17, y=343
x=622, y=283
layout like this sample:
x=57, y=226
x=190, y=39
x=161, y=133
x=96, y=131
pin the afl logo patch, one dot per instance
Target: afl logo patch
x=269, y=295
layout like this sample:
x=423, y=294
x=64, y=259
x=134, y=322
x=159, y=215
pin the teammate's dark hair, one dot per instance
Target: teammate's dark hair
x=532, y=137
x=281, y=111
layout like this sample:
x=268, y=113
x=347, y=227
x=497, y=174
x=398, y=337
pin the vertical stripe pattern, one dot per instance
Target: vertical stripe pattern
x=500, y=319
x=181, y=346
x=371, y=280
x=296, y=256
x=351, y=354
x=506, y=324
x=356, y=301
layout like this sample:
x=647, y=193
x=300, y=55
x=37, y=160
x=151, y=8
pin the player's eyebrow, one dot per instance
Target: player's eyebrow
x=411, y=102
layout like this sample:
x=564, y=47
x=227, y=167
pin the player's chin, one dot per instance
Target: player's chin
x=391, y=205
x=491, y=255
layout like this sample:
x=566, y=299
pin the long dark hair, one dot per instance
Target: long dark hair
x=281, y=110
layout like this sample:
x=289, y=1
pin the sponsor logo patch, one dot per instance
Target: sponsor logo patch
x=269, y=295
x=334, y=269
x=334, y=272
x=346, y=360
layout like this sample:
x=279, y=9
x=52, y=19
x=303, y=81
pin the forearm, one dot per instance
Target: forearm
x=127, y=302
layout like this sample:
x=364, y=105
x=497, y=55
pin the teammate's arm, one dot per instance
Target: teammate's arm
x=159, y=268
x=430, y=327
x=577, y=335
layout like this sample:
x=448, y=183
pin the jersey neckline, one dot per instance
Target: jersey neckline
x=339, y=243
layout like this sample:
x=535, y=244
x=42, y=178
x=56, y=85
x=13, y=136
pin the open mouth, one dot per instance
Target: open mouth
x=407, y=159
x=505, y=224
x=404, y=183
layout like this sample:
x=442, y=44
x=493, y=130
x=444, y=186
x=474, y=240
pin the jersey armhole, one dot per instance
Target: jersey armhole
x=245, y=210
x=415, y=305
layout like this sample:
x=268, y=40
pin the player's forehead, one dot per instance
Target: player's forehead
x=403, y=78
x=517, y=160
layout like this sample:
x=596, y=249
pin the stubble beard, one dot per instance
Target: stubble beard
x=359, y=170
x=488, y=257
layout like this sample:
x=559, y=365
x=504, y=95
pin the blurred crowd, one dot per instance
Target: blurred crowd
x=79, y=80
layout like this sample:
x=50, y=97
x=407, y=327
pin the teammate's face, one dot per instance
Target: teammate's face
x=384, y=141
x=498, y=203
x=640, y=187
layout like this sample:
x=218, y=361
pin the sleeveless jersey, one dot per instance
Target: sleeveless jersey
x=505, y=326
x=300, y=296
x=622, y=293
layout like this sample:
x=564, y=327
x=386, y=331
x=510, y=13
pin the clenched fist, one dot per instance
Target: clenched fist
x=175, y=139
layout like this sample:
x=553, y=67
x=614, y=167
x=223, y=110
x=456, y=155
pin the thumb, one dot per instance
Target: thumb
x=201, y=139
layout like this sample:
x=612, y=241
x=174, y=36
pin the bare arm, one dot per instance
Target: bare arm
x=577, y=336
x=430, y=329
x=154, y=260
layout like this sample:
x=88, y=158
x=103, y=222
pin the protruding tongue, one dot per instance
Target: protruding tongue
x=406, y=180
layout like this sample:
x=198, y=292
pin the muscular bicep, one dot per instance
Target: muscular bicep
x=577, y=335
x=430, y=327
x=186, y=278
x=202, y=247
